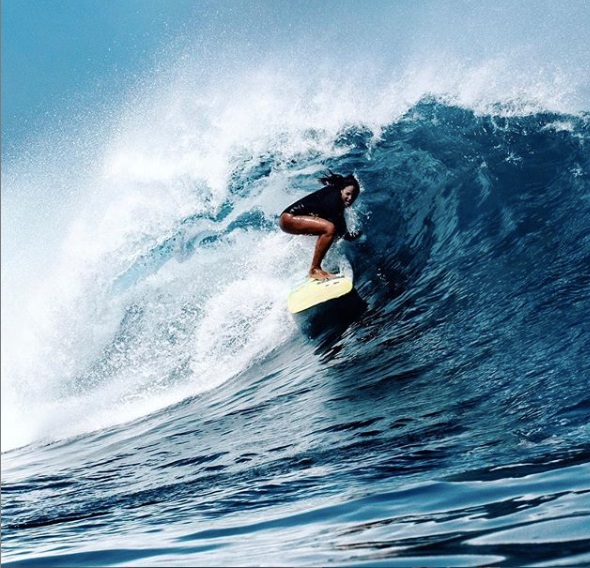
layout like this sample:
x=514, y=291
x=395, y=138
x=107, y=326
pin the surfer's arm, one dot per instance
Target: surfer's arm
x=342, y=229
x=351, y=235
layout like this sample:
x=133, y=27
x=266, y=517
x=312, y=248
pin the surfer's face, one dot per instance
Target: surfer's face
x=348, y=195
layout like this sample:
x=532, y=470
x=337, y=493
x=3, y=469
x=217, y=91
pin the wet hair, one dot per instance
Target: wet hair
x=340, y=182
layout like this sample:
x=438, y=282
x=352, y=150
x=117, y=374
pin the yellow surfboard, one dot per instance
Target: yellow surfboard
x=314, y=292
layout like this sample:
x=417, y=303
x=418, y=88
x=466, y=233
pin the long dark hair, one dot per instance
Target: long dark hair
x=340, y=182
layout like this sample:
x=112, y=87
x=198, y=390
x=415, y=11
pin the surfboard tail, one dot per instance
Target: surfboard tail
x=314, y=292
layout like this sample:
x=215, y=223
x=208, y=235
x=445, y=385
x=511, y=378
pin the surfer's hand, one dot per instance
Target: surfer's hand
x=352, y=235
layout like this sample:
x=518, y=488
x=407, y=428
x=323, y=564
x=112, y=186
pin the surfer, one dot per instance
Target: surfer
x=321, y=213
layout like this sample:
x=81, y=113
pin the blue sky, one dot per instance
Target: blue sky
x=56, y=53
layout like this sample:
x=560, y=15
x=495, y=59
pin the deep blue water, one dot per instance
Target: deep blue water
x=182, y=418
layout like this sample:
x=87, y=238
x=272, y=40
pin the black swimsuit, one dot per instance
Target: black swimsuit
x=325, y=203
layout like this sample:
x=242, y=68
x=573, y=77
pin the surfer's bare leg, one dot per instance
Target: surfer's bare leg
x=321, y=248
x=308, y=225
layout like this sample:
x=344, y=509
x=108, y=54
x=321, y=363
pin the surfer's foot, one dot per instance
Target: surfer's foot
x=319, y=274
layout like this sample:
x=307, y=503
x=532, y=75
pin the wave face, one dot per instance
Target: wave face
x=448, y=423
x=161, y=407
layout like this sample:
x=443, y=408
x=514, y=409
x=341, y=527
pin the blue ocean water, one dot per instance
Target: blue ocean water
x=160, y=407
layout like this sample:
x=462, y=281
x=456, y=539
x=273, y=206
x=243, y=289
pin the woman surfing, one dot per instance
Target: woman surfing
x=321, y=213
